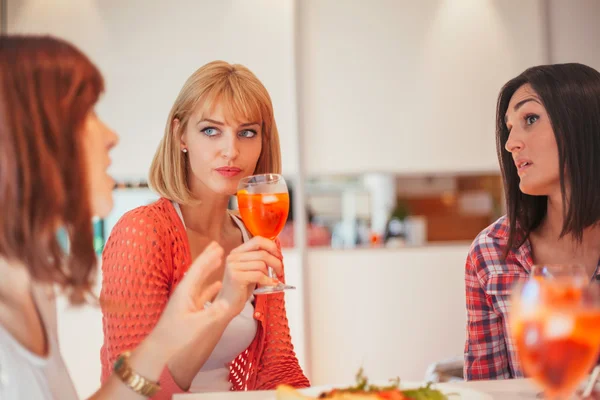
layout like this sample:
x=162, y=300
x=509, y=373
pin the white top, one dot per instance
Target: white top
x=25, y=375
x=237, y=337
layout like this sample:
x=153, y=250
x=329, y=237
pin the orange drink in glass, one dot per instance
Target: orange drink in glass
x=556, y=327
x=264, y=214
x=264, y=203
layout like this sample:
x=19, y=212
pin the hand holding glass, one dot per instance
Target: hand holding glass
x=264, y=203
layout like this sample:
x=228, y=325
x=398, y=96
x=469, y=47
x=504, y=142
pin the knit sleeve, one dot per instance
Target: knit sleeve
x=278, y=363
x=136, y=284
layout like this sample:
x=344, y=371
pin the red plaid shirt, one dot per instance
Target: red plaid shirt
x=489, y=350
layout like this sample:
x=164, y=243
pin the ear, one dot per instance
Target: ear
x=175, y=128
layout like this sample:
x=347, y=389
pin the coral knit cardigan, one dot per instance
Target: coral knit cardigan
x=144, y=259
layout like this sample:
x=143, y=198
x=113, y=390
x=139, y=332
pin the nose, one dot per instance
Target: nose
x=110, y=136
x=114, y=138
x=514, y=142
x=230, y=149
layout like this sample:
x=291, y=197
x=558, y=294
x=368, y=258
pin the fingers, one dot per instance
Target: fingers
x=252, y=272
x=248, y=266
x=206, y=263
x=259, y=278
x=260, y=255
x=259, y=243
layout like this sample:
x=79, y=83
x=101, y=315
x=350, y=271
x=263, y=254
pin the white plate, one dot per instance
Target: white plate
x=446, y=388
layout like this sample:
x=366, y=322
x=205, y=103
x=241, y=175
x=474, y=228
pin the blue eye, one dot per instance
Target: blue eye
x=248, y=133
x=210, y=131
x=531, y=119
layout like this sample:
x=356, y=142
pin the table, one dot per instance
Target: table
x=513, y=389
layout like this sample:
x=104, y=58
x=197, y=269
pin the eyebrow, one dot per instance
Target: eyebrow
x=212, y=121
x=521, y=104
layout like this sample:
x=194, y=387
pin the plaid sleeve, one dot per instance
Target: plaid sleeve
x=486, y=355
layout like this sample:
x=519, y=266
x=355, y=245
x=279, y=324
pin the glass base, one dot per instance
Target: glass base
x=273, y=289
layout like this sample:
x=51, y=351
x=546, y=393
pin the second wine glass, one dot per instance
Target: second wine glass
x=555, y=323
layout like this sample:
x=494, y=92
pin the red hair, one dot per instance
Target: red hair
x=47, y=89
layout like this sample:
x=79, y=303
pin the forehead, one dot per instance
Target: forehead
x=220, y=112
x=522, y=93
x=228, y=108
x=520, y=98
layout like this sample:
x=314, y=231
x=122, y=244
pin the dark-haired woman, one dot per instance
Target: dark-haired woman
x=548, y=142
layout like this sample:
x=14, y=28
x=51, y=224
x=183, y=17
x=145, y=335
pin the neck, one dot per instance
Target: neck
x=553, y=222
x=15, y=285
x=18, y=311
x=16, y=302
x=552, y=225
x=210, y=217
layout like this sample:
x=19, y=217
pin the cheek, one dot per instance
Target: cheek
x=550, y=152
x=550, y=171
x=199, y=162
x=92, y=164
x=546, y=136
x=199, y=159
x=254, y=152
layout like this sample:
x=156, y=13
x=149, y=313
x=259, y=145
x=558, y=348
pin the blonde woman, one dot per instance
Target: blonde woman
x=220, y=129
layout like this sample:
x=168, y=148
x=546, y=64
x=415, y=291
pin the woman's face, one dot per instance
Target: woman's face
x=221, y=150
x=99, y=139
x=532, y=143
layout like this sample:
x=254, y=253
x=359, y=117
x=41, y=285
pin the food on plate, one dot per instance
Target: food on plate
x=362, y=390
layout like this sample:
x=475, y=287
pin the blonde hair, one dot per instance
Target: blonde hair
x=242, y=96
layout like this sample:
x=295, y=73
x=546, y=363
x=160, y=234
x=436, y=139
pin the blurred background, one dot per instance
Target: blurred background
x=386, y=112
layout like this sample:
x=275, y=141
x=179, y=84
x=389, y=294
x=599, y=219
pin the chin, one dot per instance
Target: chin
x=229, y=192
x=531, y=189
x=225, y=188
x=102, y=205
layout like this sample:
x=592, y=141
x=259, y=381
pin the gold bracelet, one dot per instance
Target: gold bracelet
x=134, y=381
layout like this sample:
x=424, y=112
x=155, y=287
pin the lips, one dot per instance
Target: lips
x=228, y=171
x=522, y=164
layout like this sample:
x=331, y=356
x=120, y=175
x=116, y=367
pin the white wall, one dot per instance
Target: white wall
x=392, y=312
x=574, y=30
x=409, y=86
x=146, y=50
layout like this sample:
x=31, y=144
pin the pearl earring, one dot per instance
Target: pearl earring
x=184, y=150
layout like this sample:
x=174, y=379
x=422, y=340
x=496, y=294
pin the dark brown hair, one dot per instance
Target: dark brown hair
x=47, y=88
x=570, y=94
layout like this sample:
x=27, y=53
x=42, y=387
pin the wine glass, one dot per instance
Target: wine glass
x=556, y=327
x=264, y=203
x=553, y=271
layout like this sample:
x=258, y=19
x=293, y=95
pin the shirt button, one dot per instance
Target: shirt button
x=257, y=315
